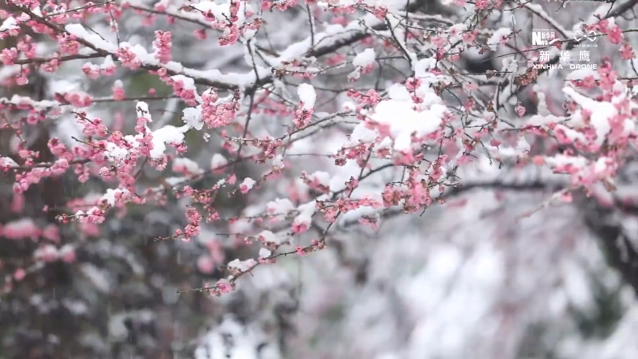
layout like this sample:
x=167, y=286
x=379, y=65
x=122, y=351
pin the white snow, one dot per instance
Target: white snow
x=9, y=24
x=8, y=162
x=46, y=251
x=187, y=83
x=114, y=152
x=270, y=237
x=189, y=165
x=601, y=113
x=22, y=100
x=222, y=11
x=581, y=74
x=22, y=225
x=218, y=161
x=81, y=33
x=495, y=41
x=107, y=63
x=364, y=58
x=244, y=339
x=110, y=195
x=562, y=160
x=278, y=162
x=242, y=266
x=148, y=59
x=141, y=108
x=307, y=95
x=248, y=182
x=167, y=135
x=362, y=134
x=192, y=116
x=280, y=206
x=403, y=121
x=306, y=211
x=422, y=67
x=66, y=249
x=399, y=92
x=323, y=178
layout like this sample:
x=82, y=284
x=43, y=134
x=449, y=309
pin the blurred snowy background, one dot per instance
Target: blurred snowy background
x=467, y=279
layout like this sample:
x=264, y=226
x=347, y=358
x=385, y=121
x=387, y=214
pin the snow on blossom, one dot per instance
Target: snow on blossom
x=187, y=85
x=67, y=253
x=9, y=24
x=422, y=68
x=322, y=178
x=247, y=185
x=142, y=56
x=46, y=253
x=269, y=238
x=497, y=37
x=388, y=4
x=27, y=101
x=332, y=34
x=167, y=135
x=7, y=162
x=7, y=72
x=362, y=134
x=114, y=152
x=242, y=266
x=307, y=95
x=218, y=161
x=563, y=161
x=385, y=144
x=302, y=221
x=456, y=31
x=186, y=165
x=222, y=11
x=142, y=111
x=278, y=162
x=363, y=211
x=582, y=74
x=107, y=63
x=98, y=41
x=192, y=116
x=404, y=120
x=111, y=195
x=264, y=253
x=399, y=92
x=426, y=75
x=601, y=113
x=502, y=152
x=20, y=229
x=364, y=58
x=279, y=206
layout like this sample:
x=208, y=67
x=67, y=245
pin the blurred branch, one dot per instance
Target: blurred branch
x=536, y=185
